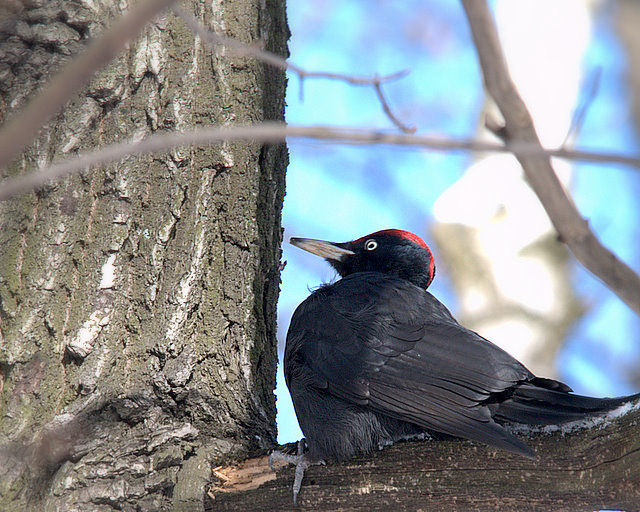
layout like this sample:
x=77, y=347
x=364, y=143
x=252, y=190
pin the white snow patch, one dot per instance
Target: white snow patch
x=572, y=426
x=368, y=488
x=421, y=436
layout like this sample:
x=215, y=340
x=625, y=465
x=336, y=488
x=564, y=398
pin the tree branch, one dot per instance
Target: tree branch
x=19, y=131
x=519, y=128
x=519, y=134
x=244, y=50
x=276, y=132
x=241, y=49
x=580, y=113
x=387, y=110
x=588, y=469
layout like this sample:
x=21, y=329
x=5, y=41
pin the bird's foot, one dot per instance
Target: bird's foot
x=302, y=462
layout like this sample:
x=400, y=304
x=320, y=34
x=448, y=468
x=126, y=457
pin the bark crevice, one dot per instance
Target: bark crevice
x=137, y=301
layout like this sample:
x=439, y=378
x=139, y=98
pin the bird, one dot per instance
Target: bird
x=374, y=357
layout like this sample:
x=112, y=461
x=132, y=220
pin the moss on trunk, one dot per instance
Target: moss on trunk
x=137, y=313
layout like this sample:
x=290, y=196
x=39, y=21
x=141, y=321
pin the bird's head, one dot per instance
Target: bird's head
x=391, y=251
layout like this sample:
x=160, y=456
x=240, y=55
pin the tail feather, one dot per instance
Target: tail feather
x=533, y=405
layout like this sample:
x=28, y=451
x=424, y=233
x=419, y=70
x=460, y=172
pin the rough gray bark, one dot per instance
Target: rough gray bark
x=137, y=313
x=590, y=469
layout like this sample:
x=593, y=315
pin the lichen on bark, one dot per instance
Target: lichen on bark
x=137, y=313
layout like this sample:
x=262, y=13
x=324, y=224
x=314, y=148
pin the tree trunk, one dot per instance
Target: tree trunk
x=591, y=468
x=138, y=301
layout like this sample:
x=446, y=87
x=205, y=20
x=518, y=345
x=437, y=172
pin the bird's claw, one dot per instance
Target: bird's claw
x=277, y=455
x=300, y=460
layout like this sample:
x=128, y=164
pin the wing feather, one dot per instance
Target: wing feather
x=382, y=342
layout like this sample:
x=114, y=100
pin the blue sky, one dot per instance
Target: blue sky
x=343, y=192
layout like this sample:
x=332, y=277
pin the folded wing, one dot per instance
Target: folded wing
x=386, y=344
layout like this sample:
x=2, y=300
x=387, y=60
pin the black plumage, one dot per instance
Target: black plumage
x=375, y=357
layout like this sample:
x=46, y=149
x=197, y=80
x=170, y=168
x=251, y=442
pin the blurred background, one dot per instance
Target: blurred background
x=500, y=268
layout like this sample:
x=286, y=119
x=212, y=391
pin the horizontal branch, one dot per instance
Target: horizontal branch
x=615, y=273
x=276, y=132
x=589, y=469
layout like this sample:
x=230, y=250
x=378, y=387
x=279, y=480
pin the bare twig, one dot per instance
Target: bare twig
x=581, y=111
x=274, y=132
x=17, y=133
x=572, y=227
x=355, y=80
x=387, y=110
x=241, y=49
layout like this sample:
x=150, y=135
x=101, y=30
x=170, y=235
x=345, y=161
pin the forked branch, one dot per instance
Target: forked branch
x=573, y=229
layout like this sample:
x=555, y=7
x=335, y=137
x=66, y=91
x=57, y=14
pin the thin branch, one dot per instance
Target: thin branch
x=355, y=80
x=387, y=110
x=241, y=49
x=580, y=113
x=24, y=126
x=519, y=128
x=276, y=132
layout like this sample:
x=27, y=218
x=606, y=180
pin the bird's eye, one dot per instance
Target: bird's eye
x=371, y=245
